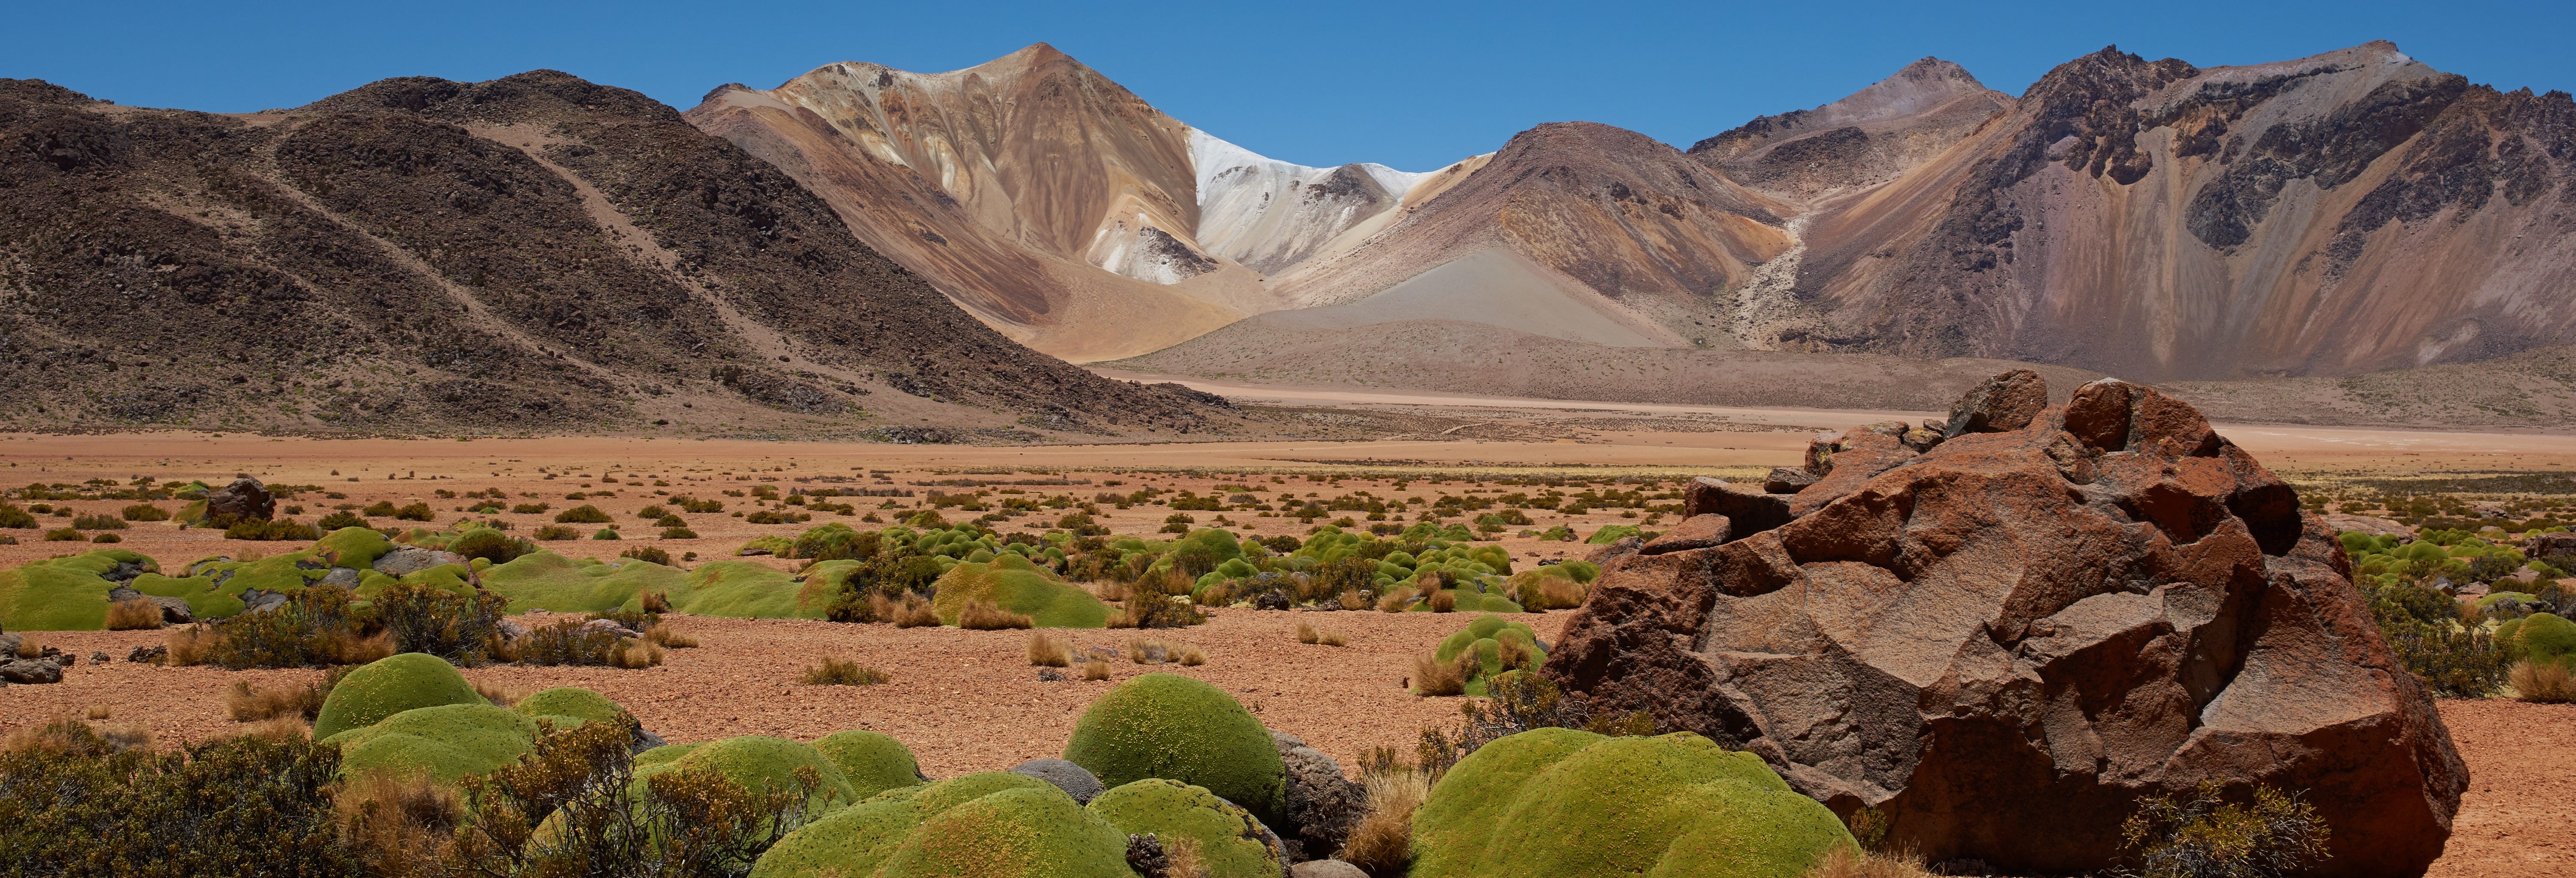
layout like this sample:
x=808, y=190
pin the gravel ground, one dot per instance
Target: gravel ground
x=963, y=700
x=969, y=701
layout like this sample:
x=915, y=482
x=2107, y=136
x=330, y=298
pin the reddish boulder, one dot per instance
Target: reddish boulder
x=1695, y=532
x=2001, y=404
x=2004, y=643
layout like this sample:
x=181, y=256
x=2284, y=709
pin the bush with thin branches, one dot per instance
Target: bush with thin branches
x=137, y=614
x=2203, y=835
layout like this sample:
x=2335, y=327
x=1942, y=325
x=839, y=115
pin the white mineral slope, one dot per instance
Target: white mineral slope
x=1269, y=215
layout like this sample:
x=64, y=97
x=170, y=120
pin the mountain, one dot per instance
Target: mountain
x=1872, y=136
x=1049, y=201
x=2351, y=212
x=2348, y=213
x=530, y=253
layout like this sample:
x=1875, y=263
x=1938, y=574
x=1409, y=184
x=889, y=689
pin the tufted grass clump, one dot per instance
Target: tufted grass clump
x=981, y=616
x=2543, y=682
x=250, y=703
x=1382, y=842
x=138, y=614
x=1433, y=677
x=1095, y=669
x=1049, y=650
x=842, y=672
x=556, y=533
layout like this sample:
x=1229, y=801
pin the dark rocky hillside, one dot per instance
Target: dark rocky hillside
x=532, y=253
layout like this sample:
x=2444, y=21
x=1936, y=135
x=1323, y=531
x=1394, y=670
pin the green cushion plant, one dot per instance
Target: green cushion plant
x=388, y=686
x=1551, y=802
x=1231, y=843
x=1179, y=728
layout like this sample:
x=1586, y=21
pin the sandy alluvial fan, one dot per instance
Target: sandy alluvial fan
x=2004, y=639
x=532, y=252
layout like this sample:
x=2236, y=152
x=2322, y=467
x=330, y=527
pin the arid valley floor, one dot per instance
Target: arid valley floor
x=968, y=700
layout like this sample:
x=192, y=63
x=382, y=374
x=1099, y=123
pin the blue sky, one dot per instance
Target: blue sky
x=1414, y=85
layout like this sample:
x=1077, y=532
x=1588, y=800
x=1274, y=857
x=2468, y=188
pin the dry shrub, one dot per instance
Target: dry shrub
x=656, y=602
x=1560, y=594
x=665, y=636
x=97, y=712
x=247, y=554
x=138, y=614
x=913, y=612
x=1148, y=651
x=1113, y=591
x=1382, y=843
x=633, y=654
x=1333, y=638
x=842, y=672
x=500, y=695
x=400, y=823
x=347, y=649
x=247, y=702
x=1443, y=601
x=280, y=729
x=29, y=647
x=1431, y=676
x=1095, y=669
x=1352, y=600
x=981, y=616
x=188, y=646
x=1512, y=653
x=127, y=736
x=1846, y=863
x=1395, y=601
x=1306, y=633
x=55, y=738
x=1048, y=650
x=1191, y=657
x=2545, y=682
x=1182, y=859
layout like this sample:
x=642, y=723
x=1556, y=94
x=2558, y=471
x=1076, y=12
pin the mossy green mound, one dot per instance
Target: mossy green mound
x=1611, y=534
x=749, y=590
x=388, y=686
x=1487, y=637
x=873, y=762
x=1018, y=833
x=1231, y=843
x=1178, y=728
x=572, y=701
x=2541, y=637
x=357, y=547
x=547, y=580
x=665, y=753
x=1013, y=583
x=761, y=762
x=854, y=841
x=62, y=594
x=1551, y=802
x=446, y=742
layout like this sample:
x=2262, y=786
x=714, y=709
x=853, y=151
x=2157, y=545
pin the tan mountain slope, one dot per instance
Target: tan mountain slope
x=1599, y=211
x=1866, y=138
x=530, y=253
x=1049, y=201
x=2349, y=212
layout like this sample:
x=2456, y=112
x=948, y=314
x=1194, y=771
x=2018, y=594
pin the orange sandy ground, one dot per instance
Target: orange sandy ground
x=967, y=700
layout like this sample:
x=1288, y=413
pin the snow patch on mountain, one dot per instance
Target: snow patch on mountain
x=1268, y=214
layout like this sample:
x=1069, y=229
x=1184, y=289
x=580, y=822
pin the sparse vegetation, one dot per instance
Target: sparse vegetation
x=2545, y=682
x=981, y=616
x=133, y=615
x=2203, y=835
x=841, y=672
x=1049, y=650
x=582, y=514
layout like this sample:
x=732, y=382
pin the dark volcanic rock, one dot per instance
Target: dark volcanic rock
x=2000, y=404
x=1784, y=480
x=245, y=498
x=2005, y=643
x=1323, y=803
x=1074, y=780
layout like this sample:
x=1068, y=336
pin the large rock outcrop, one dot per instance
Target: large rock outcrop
x=2005, y=642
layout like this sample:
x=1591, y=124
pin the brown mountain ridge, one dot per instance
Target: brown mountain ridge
x=535, y=252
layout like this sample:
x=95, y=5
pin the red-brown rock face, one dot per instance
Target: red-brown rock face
x=2004, y=643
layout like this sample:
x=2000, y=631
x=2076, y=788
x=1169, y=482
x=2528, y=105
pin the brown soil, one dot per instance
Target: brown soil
x=2521, y=798
x=964, y=701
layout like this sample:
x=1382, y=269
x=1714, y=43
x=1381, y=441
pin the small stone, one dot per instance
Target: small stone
x=1074, y=780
